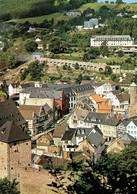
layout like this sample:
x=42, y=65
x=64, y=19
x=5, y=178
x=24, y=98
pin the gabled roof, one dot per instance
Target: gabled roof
x=123, y=97
x=95, y=137
x=9, y=112
x=28, y=110
x=125, y=123
x=81, y=114
x=98, y=98
x=10, y=132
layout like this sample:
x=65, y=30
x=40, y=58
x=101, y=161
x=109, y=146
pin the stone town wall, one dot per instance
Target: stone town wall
x=86, y=65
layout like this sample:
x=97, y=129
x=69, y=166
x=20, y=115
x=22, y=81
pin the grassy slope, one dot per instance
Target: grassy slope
x=96, y=6
x=16, y=5
x=57, y=17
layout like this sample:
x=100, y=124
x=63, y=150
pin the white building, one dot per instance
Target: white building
x=131, y=128
x=112, y=40
x=92, y=23
x=101, y=89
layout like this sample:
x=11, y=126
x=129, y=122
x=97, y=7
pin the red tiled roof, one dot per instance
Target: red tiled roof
x=111, y=82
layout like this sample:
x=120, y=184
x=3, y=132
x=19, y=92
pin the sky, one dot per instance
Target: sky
x=126, y=1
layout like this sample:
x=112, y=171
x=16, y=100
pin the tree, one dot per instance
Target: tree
x=119, y=1
x=76, y=66
x=104, y=49
x=8, y=187
x=30, y=45
x=93, y=52
x=108, y=70
x=79, y=79
x=3, y=94
x=54, y=45
x=120, y=53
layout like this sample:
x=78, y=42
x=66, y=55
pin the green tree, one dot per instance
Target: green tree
x=104, y=49
x=30, y=45
x=3, y=94
x=120, y=53
x=8, y=187
x=93, y=52
x=76, y=165
x=76, y=66
x=119, y=1
x=54, y=45
x=79, y=79
x=108, y=70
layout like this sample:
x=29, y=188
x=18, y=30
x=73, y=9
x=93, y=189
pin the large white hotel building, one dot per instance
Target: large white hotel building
x=112, y=40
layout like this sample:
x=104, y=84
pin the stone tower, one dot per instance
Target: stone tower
x=15, y=150
x=133, y=100
x=133, y=93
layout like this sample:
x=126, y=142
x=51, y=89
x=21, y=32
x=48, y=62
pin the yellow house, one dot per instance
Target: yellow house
x=109, y=128
x=116, y=146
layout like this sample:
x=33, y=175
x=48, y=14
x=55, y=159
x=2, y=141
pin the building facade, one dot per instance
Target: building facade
x=112, y=40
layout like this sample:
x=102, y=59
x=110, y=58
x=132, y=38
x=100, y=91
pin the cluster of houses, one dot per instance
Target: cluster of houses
x=88, y=119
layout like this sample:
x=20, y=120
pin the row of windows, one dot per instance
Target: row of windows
x=131, y=127
x=132, y=132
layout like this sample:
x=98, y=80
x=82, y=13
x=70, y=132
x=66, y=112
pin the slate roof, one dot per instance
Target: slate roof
x=9, y=112
x=10, y=132
x=95, y=138
x=55, y=90
x=82, y=132
x=128, y=137
x=94, y=117
x=111, y=122
x=125, y=123
x=68, y=134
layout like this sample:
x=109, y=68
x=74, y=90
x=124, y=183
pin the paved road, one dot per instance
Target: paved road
x=14, y=72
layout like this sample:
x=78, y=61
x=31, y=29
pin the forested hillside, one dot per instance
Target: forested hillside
x=10, y=9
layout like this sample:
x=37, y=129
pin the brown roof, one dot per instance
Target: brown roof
x=123, y=97
x=81, y=114
x=10, y=132
x=9, y=112
x=60, y=130
x=98, y=84
x=28, y=110
x=116, y=92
